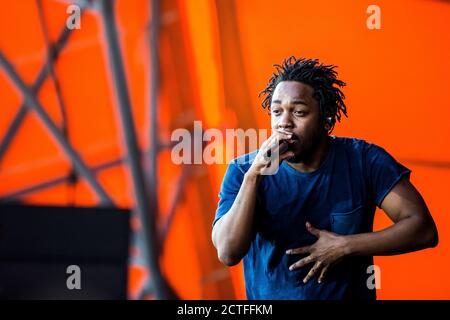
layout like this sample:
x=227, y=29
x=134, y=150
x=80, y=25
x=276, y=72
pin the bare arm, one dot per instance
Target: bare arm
x=413, y=228
x=232, y=233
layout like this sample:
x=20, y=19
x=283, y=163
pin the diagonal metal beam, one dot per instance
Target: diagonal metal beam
x=51, y=68
x=39, y=81
x=140, y=189
x=95, y=169
x=11, y=197
x=32, y=102
x=180, y=185
x=12, y=129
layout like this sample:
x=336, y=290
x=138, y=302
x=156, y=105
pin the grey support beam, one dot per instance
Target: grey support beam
x=140, y=189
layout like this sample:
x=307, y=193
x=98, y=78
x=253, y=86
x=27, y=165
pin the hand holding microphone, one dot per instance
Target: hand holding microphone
x=272, y=152
x=283, y=144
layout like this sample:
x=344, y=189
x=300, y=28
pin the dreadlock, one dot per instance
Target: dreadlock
x=322, y=78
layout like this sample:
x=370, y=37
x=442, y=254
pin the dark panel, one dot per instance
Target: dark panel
x=39, y=243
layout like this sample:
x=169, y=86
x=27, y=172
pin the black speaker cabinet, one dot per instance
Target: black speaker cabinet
x=63, y=252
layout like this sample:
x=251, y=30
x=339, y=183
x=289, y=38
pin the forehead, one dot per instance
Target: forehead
x=289, y=90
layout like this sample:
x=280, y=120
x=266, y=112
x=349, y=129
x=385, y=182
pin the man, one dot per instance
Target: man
x=306, y=232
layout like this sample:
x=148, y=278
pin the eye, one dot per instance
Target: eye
x=276, y=112
x=300, y=113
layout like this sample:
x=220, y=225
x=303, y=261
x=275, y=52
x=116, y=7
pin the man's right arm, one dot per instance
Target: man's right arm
x=232, y=233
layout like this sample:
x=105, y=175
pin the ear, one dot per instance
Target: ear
x=328, y=121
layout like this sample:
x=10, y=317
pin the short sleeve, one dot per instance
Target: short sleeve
x=384, y=172
x=231, y=184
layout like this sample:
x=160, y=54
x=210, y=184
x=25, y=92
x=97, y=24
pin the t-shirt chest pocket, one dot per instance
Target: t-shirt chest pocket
x=349, y=222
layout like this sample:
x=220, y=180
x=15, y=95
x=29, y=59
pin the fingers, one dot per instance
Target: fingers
x=282, y=134
x=273, y=142
x=312, y=230
x=301, y=263
x=277, y=149
x=322, y=274
x=273, y=150
x=299, y=250
x=313, y=271
x=276, y=139
x=318, y=266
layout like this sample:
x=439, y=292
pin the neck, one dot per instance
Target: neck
x=316, y=158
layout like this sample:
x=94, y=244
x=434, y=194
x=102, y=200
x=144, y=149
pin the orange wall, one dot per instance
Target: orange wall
x=397, y=97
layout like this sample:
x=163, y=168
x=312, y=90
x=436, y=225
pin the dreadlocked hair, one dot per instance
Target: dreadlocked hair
x=322, y=78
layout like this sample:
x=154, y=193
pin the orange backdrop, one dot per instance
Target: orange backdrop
x=215, y=57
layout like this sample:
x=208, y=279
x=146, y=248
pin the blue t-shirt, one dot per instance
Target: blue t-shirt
x=340, y=196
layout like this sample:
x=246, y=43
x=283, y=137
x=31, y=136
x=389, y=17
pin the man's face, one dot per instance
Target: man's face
x=294, y=109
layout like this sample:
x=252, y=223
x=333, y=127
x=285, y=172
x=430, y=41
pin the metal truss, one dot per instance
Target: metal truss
x=144, y=186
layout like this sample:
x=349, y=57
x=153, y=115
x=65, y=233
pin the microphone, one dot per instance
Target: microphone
x=283, y=146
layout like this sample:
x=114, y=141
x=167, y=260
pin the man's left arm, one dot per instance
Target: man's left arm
x=413, y=229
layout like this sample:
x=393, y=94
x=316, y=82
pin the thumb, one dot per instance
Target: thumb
x=312, y=230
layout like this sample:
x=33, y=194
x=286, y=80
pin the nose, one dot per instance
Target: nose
x=285, y=121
